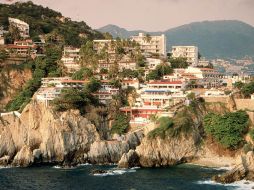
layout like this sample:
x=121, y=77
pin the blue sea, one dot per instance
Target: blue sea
x=182, y=177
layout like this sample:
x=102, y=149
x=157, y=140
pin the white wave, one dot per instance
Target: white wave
x=85, y=164
x=239, y=185
x=224, y=168
x=116, y=171
x=5, y=167
x=63, y=168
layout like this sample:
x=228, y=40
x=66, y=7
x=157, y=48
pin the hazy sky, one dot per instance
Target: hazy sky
x=151, y=15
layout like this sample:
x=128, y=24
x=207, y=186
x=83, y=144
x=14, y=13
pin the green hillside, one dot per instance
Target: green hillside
x=225, y=39
x=46, y=21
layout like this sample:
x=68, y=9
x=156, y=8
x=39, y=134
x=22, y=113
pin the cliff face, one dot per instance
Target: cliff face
x=11, y=81
x=163, y=152
x=42, y=136
x=51, y=137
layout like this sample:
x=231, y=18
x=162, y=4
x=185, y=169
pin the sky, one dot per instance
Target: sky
x=151, y=15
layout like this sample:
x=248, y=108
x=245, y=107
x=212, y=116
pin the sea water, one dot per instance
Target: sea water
x=182, y=177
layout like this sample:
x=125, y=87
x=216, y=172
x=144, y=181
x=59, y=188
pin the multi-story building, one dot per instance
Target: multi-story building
x=99, y=45
x=188, y=52
x=130, y=82
x=71, y=59
x=21, y=25
x=151, y=44
x=51, y=87
x=152, y=63
x=24, y=48
x=207, y=77
x=106, y=92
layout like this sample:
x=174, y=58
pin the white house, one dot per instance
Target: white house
x=151, y=44
x=188, y=52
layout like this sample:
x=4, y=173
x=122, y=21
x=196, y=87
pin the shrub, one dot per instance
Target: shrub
x=165, y=123
x=120, y=125
x=227, y=129
x=251, y=133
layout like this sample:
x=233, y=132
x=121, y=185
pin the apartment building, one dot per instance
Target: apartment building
x=99, y=45
x=207, y=77
x=24, y=47
x=71, y=59
x=21, y=25
x=151, y=44
x=188, y=52
x=130, y=83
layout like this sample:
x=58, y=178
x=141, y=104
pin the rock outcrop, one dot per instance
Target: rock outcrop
x=243, y=170
x=111, y=151
x=162, y=152
x=40, y=135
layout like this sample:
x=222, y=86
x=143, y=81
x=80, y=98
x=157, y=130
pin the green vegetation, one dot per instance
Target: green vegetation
x=165, y=123
x=41, y=67
x=3, y=55
x=46, y=21
x=251, y=133
x=159, y=72
x=77, y=98
x=227, y=129
x=178, y=62
x=248, y=89
x=120, y=125
x=82, y=74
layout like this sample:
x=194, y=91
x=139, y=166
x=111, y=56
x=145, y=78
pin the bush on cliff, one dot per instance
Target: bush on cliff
x=227, y=129
x=165, y=123
x=120, y=125
x=77, y=98
x=251, y=133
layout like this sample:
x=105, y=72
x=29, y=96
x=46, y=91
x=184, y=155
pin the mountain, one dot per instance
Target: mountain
x=116, y=31
x=224, y=39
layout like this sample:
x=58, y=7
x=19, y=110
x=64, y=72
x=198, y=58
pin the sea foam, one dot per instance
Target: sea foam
x=239, y=185
x=117, y=171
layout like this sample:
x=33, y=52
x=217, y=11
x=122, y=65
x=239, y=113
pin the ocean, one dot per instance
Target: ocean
x=182, y=177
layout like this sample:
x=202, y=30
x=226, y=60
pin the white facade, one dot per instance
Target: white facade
x=188, y=52
x=21, y=25
x=71, y=58
x=130, y=82
x=151, y=44
x=210, y=77
x=152, y=63
x=1, y=40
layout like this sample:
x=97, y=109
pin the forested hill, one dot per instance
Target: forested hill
x=224, y=39
x=46, y=21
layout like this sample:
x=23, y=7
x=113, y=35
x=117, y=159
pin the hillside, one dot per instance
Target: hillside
x=234, y=39
x=46, y=21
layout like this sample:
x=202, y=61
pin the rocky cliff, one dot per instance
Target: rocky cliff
x=41, y=136
x=11, y=81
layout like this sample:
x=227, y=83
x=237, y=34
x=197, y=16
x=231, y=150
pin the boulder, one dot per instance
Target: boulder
x=24, y=157
x=129, y=160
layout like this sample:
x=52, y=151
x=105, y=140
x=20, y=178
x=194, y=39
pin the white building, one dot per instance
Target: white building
x=71, y=59
x=130, y=82
x=188, y=52
x=207, y=77
x=151, y=44
x=98, y=45
x=152, y=63
x=21, y=25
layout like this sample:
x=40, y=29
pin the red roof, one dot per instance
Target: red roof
x=17, y=47
x=74, y=81
x=166, y=82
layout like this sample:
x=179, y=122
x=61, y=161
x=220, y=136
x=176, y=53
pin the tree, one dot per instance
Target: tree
x=227, y=129
x=160, y=71
x=82, y=74
x=179, y=62
x=88, y=56
x=120, y=125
